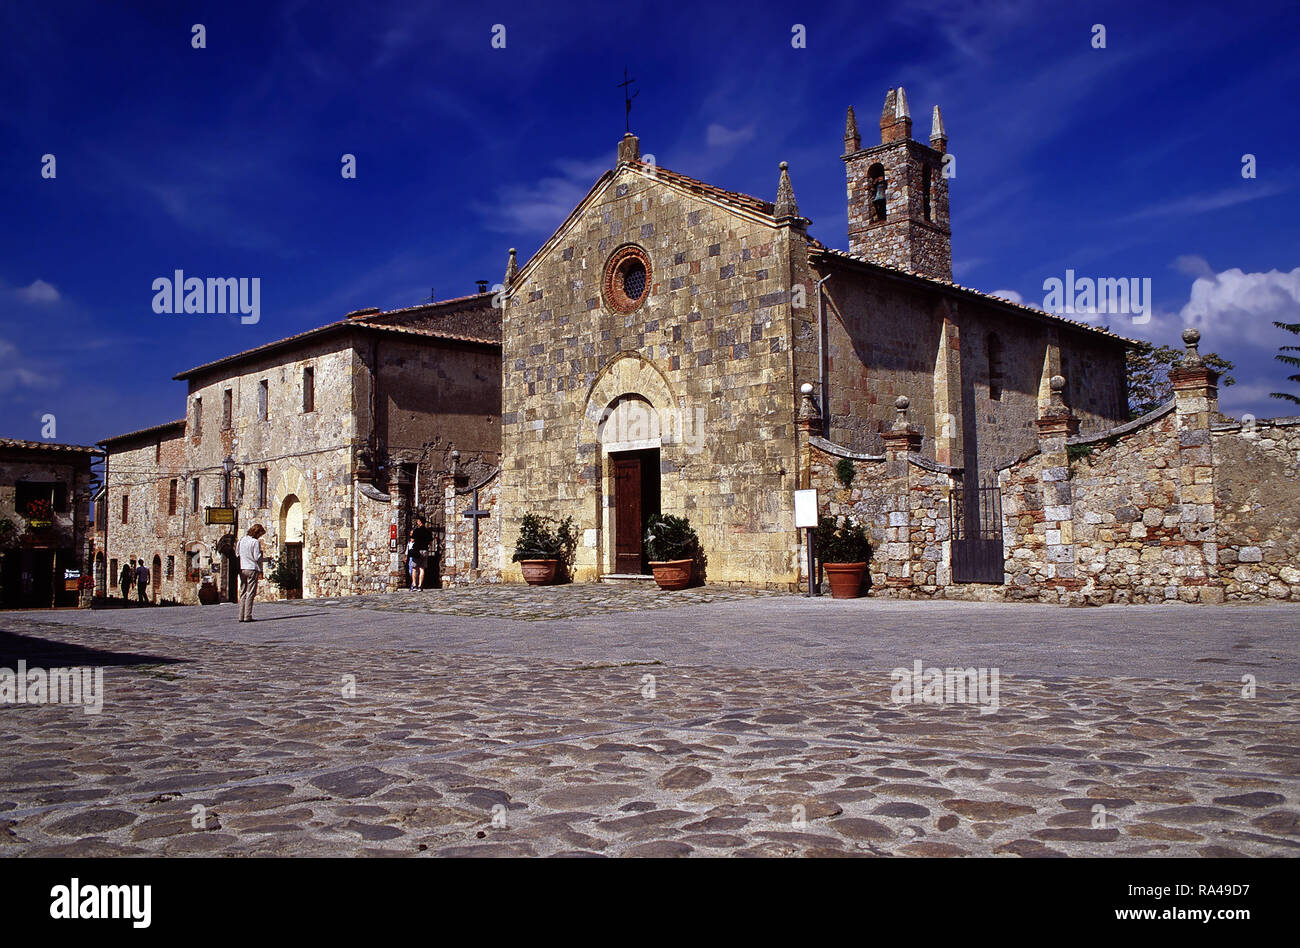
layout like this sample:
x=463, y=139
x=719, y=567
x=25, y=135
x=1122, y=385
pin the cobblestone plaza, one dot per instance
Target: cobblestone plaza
x=592, y=720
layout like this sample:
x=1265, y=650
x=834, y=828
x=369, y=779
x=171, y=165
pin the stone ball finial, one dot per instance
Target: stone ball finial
x=455, y=455
x=1057, y=382
x=1191, y=336
x=784, y=166
x=806, y=388
x=902, y=402
x=512, y=249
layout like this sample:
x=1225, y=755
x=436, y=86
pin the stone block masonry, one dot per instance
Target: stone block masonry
x=1177, y=506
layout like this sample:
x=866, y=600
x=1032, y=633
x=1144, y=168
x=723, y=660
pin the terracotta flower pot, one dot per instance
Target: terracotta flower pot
x=673, y=574
x=539, y=572
x=209, y=595
x=846, y=579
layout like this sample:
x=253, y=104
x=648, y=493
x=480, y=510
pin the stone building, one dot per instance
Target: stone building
x=45, y=541
x=655, y=346
x=332, y=439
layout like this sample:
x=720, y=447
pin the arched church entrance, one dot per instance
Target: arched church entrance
x=629, y=437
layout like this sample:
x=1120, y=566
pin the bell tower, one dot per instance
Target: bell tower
x=898, y=194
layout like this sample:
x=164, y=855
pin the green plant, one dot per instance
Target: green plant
x=841, y=544
x=1077, y=451
x=1285, y=358
x=545, y=538
x=670, y=538
x=8, y=533
x=844, y=471
x=285, y=576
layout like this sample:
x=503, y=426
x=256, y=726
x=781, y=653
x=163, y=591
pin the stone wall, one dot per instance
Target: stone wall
x=1172, y=507
x=1257, y=496
x=458, y=541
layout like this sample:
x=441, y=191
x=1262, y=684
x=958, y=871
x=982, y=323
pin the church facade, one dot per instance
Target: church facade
x=655, y=347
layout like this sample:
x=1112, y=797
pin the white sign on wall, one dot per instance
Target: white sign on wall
x=805, y=508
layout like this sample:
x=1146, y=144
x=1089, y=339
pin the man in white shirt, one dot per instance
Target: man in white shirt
x=249, y=551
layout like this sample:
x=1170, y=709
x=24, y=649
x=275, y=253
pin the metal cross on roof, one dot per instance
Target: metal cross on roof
x=627, y=100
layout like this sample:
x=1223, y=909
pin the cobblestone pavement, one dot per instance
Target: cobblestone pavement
x=536, y=603
x=208, y=744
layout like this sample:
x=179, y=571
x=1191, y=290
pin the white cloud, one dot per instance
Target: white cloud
x=14, y=370
x=1243, y=306
x=1011, y=295
x=719, y=136
x=38, y=292
x=1193, y=265
x=1202, y=203
x=542, y=206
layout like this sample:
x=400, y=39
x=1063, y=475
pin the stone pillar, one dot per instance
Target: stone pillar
x=947, y=391
x=1196, y=402
x=1055, y=424
x=900, y=441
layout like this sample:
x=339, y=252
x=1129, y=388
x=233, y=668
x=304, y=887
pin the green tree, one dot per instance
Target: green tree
x=1148, y=375
x=1293, y=361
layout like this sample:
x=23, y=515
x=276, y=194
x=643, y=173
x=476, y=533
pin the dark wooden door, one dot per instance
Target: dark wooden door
x=627, y=515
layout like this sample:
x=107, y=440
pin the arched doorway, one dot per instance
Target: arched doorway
x=155, y=578
x=629, y=436
x=291, y=537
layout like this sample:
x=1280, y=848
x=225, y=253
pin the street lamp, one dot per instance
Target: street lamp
x=228, y=466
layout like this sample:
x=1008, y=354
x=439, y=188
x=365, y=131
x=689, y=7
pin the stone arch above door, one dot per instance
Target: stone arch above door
x=629, y=378
x=290, y=483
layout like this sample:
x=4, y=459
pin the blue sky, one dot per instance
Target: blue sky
x=225, y=161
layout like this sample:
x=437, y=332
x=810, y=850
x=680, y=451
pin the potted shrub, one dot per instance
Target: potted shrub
x=545, y=548
x=671, y=546
x=287, y=578
x=843, y=552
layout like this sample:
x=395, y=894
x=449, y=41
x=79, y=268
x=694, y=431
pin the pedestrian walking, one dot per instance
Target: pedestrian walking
x=418, y=551
x=142, y=581
x=249, y=551
x=124, y=580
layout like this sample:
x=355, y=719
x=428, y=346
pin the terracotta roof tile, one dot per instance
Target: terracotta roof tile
x=153, y=429
x=19, y=444
x=1040, y=313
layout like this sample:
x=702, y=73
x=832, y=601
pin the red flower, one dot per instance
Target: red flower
x=39, y=510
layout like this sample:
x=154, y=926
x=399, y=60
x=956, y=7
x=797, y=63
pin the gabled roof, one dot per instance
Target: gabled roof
x=360, y=324
x=20, y=445
x=178, y=425
x=745, y=204
x=833, y=256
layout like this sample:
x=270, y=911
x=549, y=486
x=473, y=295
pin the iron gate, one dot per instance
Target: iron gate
x=976, y=518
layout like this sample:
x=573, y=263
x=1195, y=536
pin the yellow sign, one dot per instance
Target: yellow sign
x=220, y=515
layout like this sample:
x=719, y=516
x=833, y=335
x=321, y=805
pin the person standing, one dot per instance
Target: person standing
x=141, y=581
x=421, y=537
x=249, y=551
x=124, y=580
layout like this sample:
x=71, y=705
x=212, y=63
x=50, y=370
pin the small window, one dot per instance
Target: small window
x=112, y=568
x=995, y=367
x=263, y=400
x=198, y=416
x=261, y=487
x=171, y=497
x=192, y=566
x=157, y=453
x=308, y=389
x=925, y=191
x=194, y=495
x=171, y=567
x=126, y=507
x=227, y=409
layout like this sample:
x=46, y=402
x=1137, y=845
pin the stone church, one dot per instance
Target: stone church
x=655, y=347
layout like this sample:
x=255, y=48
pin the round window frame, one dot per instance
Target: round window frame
x=616, y=297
